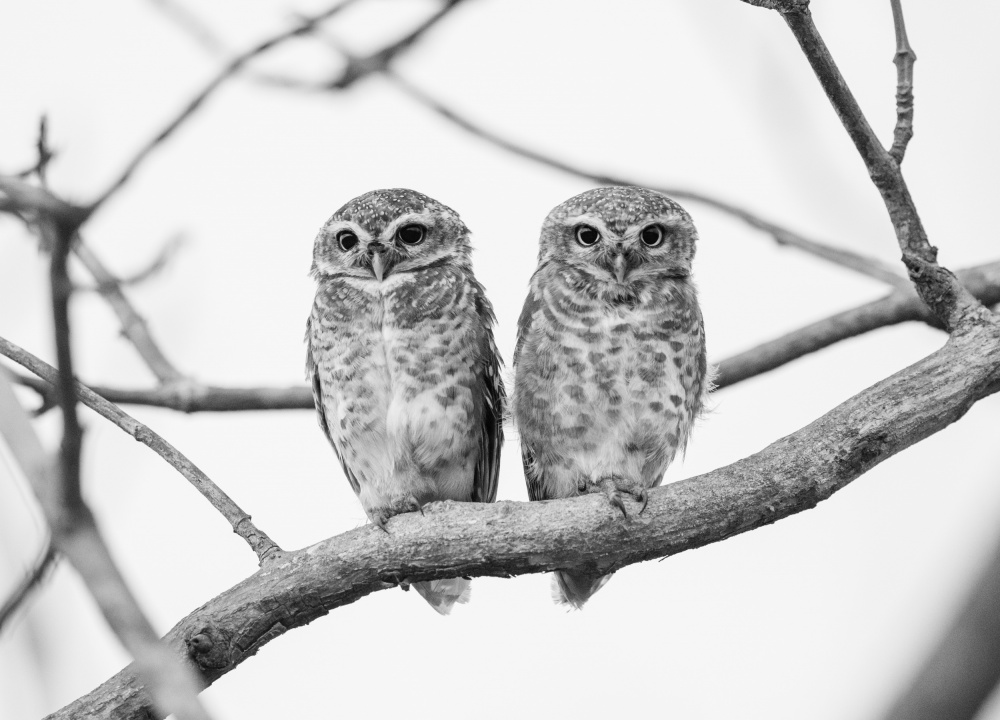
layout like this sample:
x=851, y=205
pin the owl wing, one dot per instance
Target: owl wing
x=484, y=487
x=312, y=372
x=531, y=305
x=532, y=471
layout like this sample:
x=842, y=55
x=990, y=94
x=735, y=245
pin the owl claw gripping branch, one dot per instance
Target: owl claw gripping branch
x=610, y=368
x=405, y=373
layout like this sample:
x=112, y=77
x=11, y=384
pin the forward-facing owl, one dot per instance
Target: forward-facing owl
x=405, y=373
x=610, y=367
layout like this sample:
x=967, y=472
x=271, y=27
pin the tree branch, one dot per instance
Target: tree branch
x=265, y=548
x=937, y=286
x=29, y=583
x=962, y=671
x=903, y=60
x=172, y=686
x=871, y=267
x=903, y=305
x=133, y=324
x=513, y=538
x=305, y=26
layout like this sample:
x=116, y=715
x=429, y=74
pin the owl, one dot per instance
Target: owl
x=404, y=369
x=609, y=364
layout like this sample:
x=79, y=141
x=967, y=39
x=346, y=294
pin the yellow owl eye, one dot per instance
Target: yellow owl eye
x=652, y=236
x=411, y=234
x=586, y=235
x=346, y=239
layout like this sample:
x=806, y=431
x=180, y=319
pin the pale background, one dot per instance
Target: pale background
x=823, y=615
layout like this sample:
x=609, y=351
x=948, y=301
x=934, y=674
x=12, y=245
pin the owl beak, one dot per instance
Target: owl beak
x=378, y=265
x=620, y=267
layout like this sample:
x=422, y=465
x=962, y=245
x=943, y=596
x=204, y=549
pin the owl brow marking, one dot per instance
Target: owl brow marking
x=592, y=220
x=335, y=228
x=425, y=218
x=671, y=224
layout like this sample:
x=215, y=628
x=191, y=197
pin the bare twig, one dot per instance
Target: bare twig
x=937, y=286
x=191, y=24
x=137, y=277
x=983, y=282
x=871, y=267
x=29, y=583
x=358, y=68
x=903, y=60
x=232, y=67
x=191, y=397
x=265, y=548
x=133, y=325
x=513, y=538
x=903, y=305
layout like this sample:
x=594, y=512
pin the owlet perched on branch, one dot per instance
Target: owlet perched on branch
x=405, y=373
x=610, y=366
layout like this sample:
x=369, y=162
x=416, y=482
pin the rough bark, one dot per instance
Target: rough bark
x=510, y=538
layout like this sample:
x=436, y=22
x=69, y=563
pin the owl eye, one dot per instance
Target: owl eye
x=586, y=235
x=411, y=234
x=652, y=236
x=346, y=239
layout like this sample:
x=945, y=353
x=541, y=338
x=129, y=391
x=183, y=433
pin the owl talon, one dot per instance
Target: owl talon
x=614, y=487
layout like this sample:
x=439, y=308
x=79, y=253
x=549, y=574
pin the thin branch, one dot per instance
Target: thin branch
x=938, y=287
x=232, y=67
x=358, y=68
x=191, y=24
x=901, y=306
x=30, y=582
x=871, y=267
x=514, y=538
x=265, y=548
x=982, y=281
x=133, y=324
x=903, y=60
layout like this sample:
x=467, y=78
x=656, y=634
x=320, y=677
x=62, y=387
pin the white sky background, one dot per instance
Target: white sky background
x=823, y=615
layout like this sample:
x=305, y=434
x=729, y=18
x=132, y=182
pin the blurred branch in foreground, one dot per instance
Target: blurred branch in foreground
x=265, y=548
x=961, y=672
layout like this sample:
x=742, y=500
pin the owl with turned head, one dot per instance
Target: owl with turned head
x=610, y=368
x=404, y=370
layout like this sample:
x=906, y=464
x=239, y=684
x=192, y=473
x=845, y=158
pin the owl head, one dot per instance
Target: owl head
x=619, y=241
x=386, y=233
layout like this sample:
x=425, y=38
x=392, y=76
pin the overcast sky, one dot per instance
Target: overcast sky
x=824, y=615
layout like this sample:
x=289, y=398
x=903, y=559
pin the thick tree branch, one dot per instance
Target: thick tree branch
x=265, y=548
x=903, y=60
x=513, y=538
x=901, y=306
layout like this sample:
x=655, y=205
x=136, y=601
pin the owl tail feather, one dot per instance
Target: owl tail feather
x=443, y=594
x=574, y=589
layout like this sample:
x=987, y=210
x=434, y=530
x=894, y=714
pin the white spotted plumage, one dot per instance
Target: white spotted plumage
x=401, y=354
x=610, y=367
